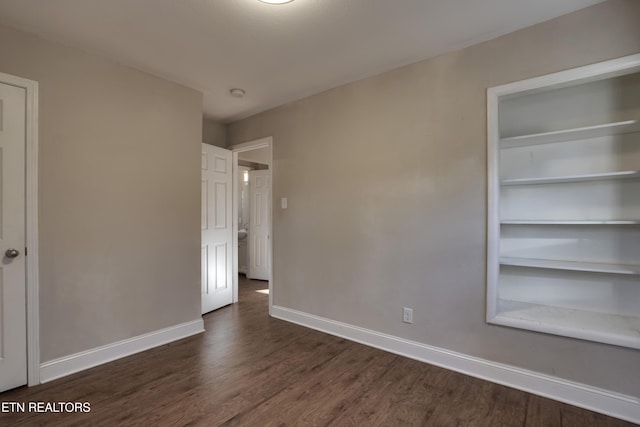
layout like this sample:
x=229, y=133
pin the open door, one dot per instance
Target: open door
x=259, y=244
x=217, y=228
x=13, y=325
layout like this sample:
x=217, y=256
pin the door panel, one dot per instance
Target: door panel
x=259, y=244
x=217, y=283
x=13, y=331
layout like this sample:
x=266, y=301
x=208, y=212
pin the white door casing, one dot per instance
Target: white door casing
x=237, y=149
x=259, y=244
x=13, y=327
x=217, y=229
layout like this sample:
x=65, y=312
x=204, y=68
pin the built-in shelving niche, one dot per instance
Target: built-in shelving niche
x=564, y=203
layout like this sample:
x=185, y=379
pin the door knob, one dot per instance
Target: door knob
x=11, y=253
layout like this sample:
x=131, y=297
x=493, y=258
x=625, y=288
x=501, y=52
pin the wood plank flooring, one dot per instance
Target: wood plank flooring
x=251, y=370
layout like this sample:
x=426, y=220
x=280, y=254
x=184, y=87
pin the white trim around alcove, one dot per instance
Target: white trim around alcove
x=592, y=398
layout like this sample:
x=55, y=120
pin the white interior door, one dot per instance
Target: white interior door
x=217, y=230
x=260, y=209
x=13, y=327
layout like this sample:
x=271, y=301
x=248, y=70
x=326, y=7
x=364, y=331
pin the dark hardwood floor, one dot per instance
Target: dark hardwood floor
x=251, y=370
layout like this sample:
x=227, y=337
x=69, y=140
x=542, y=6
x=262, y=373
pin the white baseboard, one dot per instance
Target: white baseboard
x=581, y=395
x=77, y=362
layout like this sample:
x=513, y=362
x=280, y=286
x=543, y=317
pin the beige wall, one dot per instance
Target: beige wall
x=259, y=155
x=405, y=225
x=119, y=177
x=214, y=133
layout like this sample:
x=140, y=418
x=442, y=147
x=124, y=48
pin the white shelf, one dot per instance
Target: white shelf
x=615, y=128
x=589, y=325
x=590, y=267
x=570, y=222
x=573, y=178
x=569, y=194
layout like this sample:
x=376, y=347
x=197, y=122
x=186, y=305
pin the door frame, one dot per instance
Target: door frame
x=31, y=223
x=235, y=149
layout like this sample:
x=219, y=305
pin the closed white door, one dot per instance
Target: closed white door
x=13, y=327
x=260, y=208
x=217, y=231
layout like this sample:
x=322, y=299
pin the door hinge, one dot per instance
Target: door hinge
x=25, y=251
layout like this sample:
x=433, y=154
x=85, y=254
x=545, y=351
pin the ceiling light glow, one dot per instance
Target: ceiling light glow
x=276, y=1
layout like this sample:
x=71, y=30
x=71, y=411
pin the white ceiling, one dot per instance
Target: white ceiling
x=277, y=53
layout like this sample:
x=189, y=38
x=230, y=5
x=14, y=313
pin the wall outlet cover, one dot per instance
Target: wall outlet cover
x=407, y=315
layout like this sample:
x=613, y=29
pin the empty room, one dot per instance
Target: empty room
x=320, y=212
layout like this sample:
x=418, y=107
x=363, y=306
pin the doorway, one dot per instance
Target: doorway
x=252, y=214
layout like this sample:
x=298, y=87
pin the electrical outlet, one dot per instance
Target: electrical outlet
x=407, y=315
